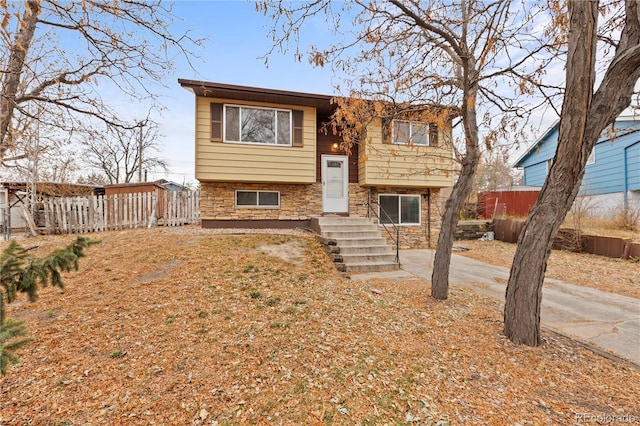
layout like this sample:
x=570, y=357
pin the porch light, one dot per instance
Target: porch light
x=335, y=146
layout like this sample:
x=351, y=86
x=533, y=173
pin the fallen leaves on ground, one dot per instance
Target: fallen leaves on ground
x=180, y=326
x=603, y=273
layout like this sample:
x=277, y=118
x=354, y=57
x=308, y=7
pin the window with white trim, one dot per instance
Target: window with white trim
x=399, y=209
x=257, y=199
x=592, y=157
x=410, y=132
x=256, y=125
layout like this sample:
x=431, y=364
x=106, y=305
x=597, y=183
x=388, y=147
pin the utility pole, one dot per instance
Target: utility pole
x=33, y=168
x=140, y=153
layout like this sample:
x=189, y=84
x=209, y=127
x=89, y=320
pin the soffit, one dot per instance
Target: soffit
x=255, y=94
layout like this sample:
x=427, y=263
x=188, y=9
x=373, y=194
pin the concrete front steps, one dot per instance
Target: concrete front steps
x=355, y=244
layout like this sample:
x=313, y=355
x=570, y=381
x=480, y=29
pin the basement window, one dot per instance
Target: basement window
x=399, y=209
x=267, y=199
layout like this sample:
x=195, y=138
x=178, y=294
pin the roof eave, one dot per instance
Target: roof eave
x=535, y=144
x=235, y=92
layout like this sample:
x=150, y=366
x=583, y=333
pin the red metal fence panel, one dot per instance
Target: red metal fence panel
x=506, y=203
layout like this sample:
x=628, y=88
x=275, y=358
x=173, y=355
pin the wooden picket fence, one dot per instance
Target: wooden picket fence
x=96, y=213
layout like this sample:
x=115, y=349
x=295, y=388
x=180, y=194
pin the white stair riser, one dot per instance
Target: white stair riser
x=372, y=268
x=362, y=242
x=349, y=259
x=324, y=221
x=366, y=250
x=350, y=234
x=358, y=228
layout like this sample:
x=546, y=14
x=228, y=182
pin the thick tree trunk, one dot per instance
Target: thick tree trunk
x=524, y=289
x=461, y=189
x=583, y=118
x=15, y=65
x=442, y=259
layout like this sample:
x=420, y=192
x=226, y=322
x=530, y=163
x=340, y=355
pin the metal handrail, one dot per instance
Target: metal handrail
x=396, y=240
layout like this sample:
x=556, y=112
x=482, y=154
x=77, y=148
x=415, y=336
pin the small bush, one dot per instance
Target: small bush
x=579, y=214
x=627, y=218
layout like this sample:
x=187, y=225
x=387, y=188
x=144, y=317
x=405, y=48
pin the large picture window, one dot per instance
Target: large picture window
x=267, y=126
x=400, y=209
x=410, y=133
x=257, y=199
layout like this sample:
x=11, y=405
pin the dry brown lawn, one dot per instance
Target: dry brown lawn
x=611, y=275
x=185, y=327
x=618, y=225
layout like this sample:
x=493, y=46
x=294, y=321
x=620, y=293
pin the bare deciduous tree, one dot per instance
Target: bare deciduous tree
x=495, y=171
x=46, y=154
x=59, y=58
x=468, y=59
x=586, y=112
x=93, y=178
x=122, y=155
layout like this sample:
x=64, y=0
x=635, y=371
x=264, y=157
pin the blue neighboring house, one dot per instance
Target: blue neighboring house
x=612, y=175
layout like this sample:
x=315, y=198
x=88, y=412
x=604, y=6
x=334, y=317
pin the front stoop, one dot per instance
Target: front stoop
x=355, y=244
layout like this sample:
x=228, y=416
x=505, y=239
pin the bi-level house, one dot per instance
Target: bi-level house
x=612, y=175
x=264, y=159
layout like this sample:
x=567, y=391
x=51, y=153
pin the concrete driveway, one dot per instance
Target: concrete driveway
x=607, y=320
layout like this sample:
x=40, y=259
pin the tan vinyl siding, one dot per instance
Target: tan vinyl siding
x=233, y=162
x=405, y=166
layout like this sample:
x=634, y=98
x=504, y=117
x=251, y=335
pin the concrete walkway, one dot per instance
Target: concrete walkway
x=607, y=320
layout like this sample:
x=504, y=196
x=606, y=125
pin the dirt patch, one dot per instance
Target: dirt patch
x=290, y=252
x=161, y=272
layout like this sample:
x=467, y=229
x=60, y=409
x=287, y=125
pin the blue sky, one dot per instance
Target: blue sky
x=237, y=38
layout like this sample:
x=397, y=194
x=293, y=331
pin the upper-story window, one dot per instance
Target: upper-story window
x=410, y=132
x=255, y=125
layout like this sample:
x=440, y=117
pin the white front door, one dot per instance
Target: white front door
x=335, y=184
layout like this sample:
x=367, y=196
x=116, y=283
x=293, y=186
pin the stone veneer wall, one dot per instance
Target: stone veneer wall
x=414, y=236
x=301, y=202
x=358, y=196
x=297, y=202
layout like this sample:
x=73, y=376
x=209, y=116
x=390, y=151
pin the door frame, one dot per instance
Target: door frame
x=344, y=203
